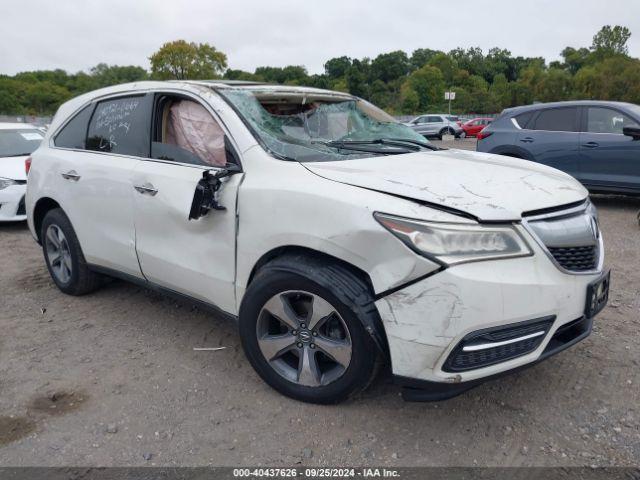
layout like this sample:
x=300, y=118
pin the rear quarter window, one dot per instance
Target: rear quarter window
x=74, y=133
x=523, y=119
x=121, y=125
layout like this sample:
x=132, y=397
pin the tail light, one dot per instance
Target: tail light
x=483, y=134
x=27, y=165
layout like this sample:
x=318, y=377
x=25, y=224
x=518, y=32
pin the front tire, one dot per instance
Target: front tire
x=301, y=325
x=63, y=255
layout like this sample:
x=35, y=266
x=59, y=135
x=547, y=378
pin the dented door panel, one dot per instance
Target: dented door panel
x=194, y=257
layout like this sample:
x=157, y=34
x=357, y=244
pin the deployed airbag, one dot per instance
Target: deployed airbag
x=192, y=128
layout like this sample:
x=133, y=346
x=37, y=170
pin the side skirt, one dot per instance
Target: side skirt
x=210, y=307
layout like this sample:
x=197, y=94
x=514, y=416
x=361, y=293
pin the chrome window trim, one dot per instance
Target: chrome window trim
x=557, y=215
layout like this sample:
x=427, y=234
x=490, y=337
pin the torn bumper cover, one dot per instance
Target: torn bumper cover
x=476, y=321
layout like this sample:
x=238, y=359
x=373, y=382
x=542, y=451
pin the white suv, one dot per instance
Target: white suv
x=338, y=238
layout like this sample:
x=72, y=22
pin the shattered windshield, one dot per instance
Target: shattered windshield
x=308, y=128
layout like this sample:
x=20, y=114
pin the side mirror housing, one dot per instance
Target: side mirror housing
x=632, y=131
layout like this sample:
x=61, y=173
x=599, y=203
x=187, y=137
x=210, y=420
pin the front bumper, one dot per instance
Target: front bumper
x=12, y=207
x=427, y=320
x=424, y=391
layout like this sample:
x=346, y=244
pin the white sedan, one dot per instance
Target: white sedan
x=17, y=141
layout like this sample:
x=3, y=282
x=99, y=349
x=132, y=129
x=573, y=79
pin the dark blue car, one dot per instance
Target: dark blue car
x=596, y=142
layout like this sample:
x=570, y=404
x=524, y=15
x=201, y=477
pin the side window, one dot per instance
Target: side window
x=523, y=119
x=605, y=120
x=74, y=133
x=434, y=119
x=557, y=120
x=186, y=132
x=121, y=125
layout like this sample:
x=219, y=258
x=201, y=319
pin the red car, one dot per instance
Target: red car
x=473, y=127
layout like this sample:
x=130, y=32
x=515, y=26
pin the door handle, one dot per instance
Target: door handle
x=591, y=144
x=71, y=175
x=146, y=188
x=526, y=140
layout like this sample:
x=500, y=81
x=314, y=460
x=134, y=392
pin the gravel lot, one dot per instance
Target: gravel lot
x=112, y=379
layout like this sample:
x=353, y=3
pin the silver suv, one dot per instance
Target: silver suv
x=437, y=125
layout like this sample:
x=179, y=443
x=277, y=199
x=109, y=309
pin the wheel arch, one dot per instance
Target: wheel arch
x=42, y=206
x=512, y=151
x=311, y=253
x=375, y=328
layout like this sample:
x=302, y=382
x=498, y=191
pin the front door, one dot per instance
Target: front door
x=193, y=257
x=608, y=159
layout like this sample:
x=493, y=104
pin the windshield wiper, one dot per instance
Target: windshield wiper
x=370, y=146
x=16, y=155
x=416, y=142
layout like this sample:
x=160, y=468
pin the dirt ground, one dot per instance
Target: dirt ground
x=112, y=379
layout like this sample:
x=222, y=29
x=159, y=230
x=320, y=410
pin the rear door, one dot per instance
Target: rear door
x=193, y=257
x=551, y=137
x=94, y=175
x=434, y=124
x=608, y=158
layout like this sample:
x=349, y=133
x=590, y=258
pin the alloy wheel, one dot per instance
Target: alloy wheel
x=303, y=338
x=58, y=253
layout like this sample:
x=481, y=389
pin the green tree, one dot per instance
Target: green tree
x=43, y=98
x=390, y=66
x=611, y=41
x=575, y=59
x=447, y=66
x=616, y=78
x=556, y=85
x=409, y=99
x=105, y=75
x=232, y=74
x=357, y=76
x=291, y=74
x=429, y=85
x=182, y=60
x=421, y=56
x=501, y=92
x=337, y=67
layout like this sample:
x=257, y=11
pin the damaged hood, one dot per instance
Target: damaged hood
x=489, y=187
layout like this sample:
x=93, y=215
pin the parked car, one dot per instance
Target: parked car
x=595, y=141
x=437, y=125
x=337, y=237
x=474, y=126
x=17, y=141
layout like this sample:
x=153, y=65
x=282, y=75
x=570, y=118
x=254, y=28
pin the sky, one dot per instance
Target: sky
x=77, y=34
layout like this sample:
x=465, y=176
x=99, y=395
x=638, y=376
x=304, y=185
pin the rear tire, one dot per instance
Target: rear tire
x=63, y=256
x=315, y=311
x=445, y=131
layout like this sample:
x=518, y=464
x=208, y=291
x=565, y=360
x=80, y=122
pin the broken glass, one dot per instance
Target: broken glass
x=306, y=134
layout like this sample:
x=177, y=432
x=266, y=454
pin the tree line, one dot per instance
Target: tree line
x=398, y=82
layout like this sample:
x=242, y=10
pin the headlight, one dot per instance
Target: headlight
x=452, y=243
x=6, y=182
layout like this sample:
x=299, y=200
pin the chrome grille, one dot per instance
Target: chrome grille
x=571, y=237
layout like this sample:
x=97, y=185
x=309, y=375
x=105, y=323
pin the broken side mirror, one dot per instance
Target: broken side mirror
x=205, y=196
